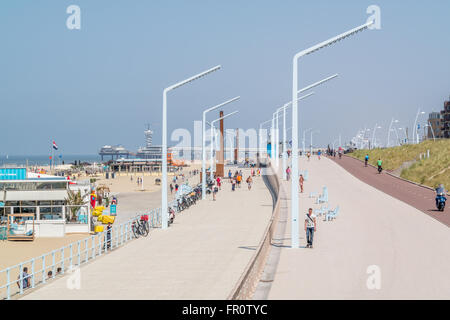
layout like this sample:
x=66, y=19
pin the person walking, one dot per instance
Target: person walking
x=288, y=173
x=319, y=153
x=233, y=184
x=239, y=179
x=215, y=190
x=176, y=187
x=310, y=227
x=219, y=183
x=308, y=155
x=301, y=180
x=229, y=175
x=171, y=188
x=249, y=182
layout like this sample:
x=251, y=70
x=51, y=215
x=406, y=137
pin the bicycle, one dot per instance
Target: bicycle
x=140, y=227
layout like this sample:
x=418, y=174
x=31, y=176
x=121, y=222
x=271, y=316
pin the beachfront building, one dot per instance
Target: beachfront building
x=46, y=197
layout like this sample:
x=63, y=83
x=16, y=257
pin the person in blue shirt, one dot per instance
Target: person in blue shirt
x=366, y=160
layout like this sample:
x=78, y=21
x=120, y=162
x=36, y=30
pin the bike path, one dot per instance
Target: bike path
x=409, y=252
x=201, y=256
x=419, y=197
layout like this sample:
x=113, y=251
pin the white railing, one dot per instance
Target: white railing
x=14, y=283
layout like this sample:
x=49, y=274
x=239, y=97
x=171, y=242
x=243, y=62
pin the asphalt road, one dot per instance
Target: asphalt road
x=419, y=197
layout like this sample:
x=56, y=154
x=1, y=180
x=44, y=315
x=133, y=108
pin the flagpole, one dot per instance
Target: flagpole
x=52, y=162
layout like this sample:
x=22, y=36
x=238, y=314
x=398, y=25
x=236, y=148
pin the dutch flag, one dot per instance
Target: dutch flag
x=54, y=145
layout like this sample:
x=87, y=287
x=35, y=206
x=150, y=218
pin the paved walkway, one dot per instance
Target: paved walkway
x=411, y=249
x=201, y=256
x=419, y=197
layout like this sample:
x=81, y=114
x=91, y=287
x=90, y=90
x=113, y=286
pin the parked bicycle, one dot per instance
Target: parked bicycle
x=140, y=227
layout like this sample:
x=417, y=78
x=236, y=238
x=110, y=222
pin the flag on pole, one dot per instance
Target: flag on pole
x=54, y=145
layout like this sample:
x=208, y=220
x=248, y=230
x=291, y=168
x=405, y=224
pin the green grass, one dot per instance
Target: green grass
x=425, y=171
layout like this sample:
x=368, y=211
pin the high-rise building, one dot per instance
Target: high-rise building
x=445, y=120
x=434, y=130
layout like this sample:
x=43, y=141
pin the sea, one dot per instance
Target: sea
x=44, y=160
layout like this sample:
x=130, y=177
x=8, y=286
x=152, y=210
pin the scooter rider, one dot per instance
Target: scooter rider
x=440, y=190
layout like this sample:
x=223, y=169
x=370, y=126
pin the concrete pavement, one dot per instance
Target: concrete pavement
x=410, y=249
x=201, y=256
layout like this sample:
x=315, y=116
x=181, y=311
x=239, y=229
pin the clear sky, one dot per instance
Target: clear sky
x=103, y=83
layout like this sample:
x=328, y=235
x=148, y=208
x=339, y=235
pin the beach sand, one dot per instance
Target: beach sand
x=127, y=181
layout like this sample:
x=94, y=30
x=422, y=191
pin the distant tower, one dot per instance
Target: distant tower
x=148, y=137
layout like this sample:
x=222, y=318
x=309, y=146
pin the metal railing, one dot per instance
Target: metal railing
x=14, y=282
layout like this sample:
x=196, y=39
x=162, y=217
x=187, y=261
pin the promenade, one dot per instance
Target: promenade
x=409, y=248
x=201, y=256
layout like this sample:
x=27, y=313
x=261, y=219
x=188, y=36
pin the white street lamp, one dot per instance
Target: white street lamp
x=294, y=189
x=389, y=132
x=212, y=141
x=415, y=133
x=284, y=116
x=310, y=146
x=284, y=108
x=261, y=149
x=303, y=141
x=204, y=142
x=337, y=140
x=431, y=128
x=164, y=208
x=373, y=135
x=406, y=137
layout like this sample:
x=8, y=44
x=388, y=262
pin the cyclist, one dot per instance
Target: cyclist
x=366, y=160
x=379, y=163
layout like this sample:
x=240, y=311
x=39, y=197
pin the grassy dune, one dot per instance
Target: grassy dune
x=429, y=172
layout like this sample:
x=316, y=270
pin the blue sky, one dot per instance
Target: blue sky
x=103, y=83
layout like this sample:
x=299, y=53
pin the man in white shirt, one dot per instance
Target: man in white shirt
x=310, y=227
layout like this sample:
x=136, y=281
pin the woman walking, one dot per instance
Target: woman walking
x=249, y=182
